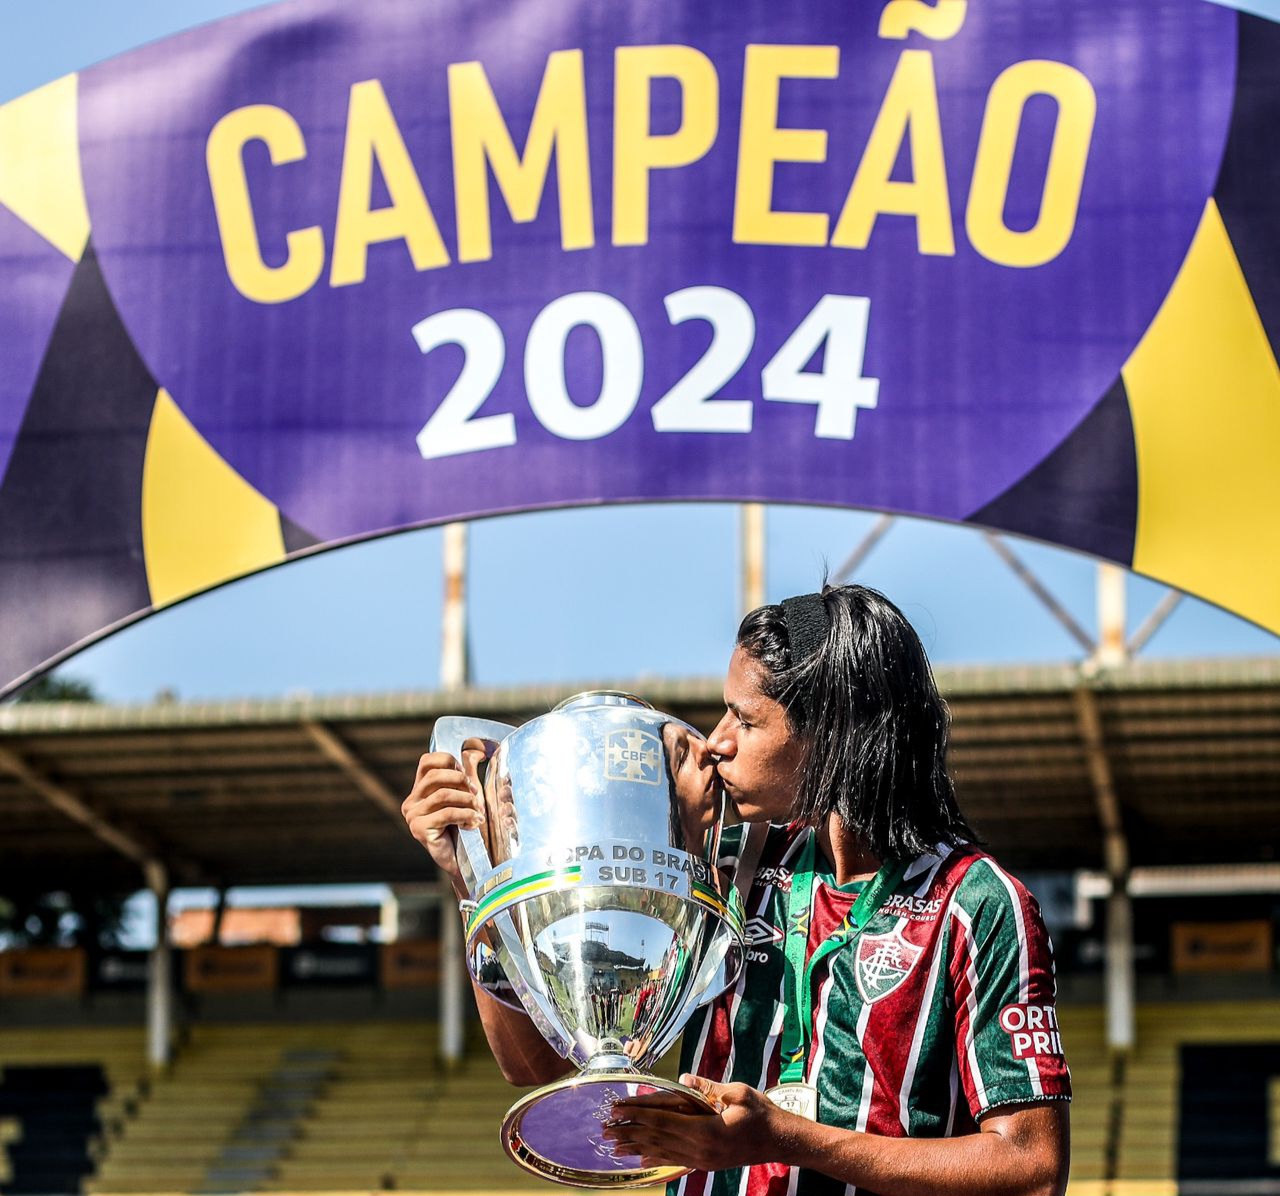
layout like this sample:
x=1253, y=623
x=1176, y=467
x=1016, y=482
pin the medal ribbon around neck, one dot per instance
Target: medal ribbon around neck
x=796, y=1026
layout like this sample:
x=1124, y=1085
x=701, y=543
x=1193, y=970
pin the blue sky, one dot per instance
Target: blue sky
x=559, y=596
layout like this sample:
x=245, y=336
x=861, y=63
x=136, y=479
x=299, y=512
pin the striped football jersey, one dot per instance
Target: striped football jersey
x=939, y=1010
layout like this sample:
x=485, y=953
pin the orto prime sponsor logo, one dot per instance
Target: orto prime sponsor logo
x=1032, y=1030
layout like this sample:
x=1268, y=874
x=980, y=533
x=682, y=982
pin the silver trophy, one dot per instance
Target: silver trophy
x=595, y=905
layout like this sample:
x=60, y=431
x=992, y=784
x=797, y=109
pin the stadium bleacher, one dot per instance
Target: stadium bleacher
x=287, y=1107
x=366, y=1107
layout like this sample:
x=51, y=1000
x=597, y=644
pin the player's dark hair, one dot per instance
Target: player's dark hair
x=875, y=728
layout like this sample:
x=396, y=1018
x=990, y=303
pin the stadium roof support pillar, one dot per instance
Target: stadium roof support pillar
x=753, y=555
x=1115, y=846
x=1112, y=649
x=159, y=975
x=453, y=980
x=455, y=670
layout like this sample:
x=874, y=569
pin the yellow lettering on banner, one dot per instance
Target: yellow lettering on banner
x=940, y=20
x=761, y=144
x=233, y=206
x=910, y=108
x=373, y=136
x=482, y=140
x=1064, y=178
x=637, y=151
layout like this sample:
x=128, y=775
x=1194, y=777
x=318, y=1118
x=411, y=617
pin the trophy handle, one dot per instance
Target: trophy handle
x=448, y=735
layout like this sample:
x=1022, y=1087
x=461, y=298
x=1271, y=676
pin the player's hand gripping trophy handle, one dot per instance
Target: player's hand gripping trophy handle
x=446, y=799
x=588, y=880
x=446, y=795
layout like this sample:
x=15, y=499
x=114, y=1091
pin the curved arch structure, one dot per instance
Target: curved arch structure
x=318, y=272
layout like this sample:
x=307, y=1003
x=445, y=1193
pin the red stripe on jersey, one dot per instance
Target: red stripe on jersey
x=714, y=1061
x=768, y=1179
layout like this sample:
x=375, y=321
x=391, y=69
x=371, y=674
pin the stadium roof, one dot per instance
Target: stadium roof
x=1182, y=756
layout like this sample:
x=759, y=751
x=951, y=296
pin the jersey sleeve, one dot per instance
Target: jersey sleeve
x=1008, y=1045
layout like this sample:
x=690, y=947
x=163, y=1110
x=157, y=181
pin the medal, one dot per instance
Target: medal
x=800, y=1099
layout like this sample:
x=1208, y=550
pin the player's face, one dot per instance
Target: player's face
x=759, y=756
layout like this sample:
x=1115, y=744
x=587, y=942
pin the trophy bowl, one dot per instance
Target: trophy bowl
x=596, y=906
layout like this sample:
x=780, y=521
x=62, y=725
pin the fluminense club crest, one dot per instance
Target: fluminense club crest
x=884, y=961
x=633, y=756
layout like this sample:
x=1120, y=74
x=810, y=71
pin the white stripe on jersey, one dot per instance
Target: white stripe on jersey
x=793, y=1175
x=775, y=1032
x=955, y=1097
x=957, y=912
x=922, y=1017
x=820, y=1050
x=868, y=1085
x=766, y=895
x=734, y=1002
x=1024, y=962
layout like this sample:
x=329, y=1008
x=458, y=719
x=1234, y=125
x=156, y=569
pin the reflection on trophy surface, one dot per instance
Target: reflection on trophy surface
x=596, y=905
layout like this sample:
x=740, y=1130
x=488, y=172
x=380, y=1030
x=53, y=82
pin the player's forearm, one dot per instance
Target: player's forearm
x=983, y=1164
x=523, y=1055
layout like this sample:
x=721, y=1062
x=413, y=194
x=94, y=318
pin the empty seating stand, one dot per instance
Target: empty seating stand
x=365, y=1107
x=54, y=1107
x=1171, y=1117
x=61, y=1091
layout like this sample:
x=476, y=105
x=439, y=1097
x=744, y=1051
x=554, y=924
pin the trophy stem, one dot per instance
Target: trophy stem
x=610, y=1060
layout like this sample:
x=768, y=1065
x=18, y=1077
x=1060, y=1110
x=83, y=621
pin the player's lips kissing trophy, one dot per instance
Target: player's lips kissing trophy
x=595, y=904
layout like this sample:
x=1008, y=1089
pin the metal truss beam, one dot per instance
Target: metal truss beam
x=67, y=803
x=853, y=562
x=359, y=773
x=1041, y=591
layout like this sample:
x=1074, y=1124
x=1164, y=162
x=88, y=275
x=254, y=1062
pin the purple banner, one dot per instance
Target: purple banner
x=397, y=263
x=951, y=367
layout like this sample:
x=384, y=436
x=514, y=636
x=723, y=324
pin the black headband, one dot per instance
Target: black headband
x=807, y=623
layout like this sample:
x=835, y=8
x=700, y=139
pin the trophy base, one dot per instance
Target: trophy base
x=557, y=1131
